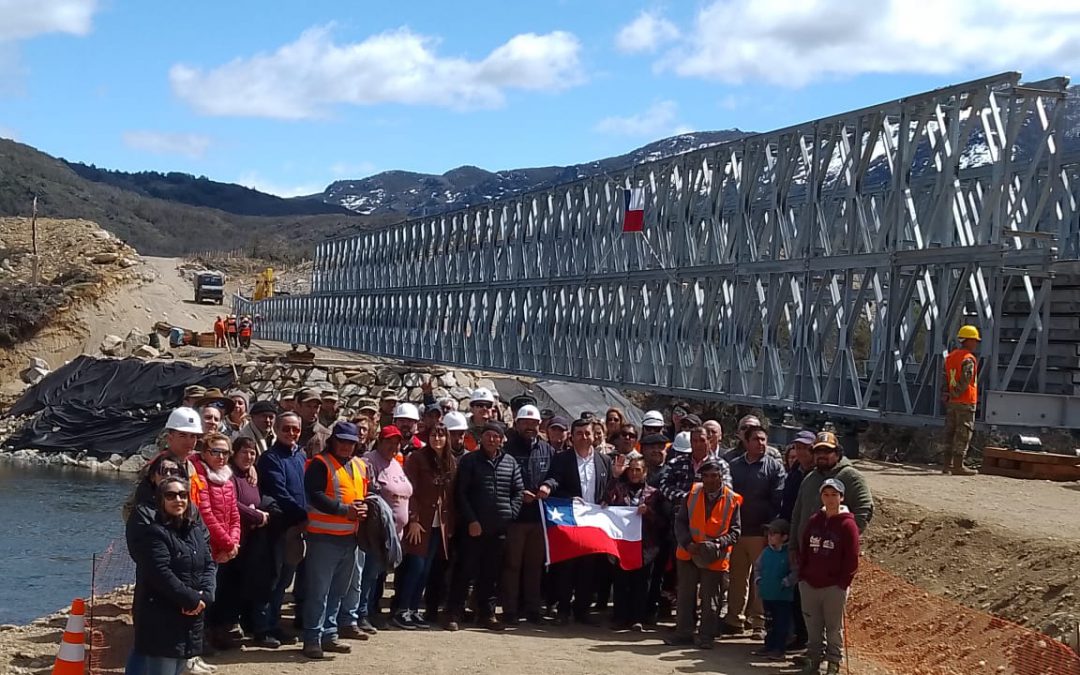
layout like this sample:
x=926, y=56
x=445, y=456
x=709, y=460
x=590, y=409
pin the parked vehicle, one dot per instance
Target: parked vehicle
x=210, y=286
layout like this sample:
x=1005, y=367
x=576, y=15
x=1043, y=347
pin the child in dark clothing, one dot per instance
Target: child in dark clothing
x=776, y=588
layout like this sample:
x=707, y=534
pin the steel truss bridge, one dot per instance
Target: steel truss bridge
x=823, y=269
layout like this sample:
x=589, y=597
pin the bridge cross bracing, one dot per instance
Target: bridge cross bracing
x=822, y=268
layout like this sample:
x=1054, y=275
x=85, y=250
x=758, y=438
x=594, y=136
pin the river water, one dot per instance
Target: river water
x=54, y=520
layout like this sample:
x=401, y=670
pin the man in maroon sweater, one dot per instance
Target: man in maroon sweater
x=828, y=559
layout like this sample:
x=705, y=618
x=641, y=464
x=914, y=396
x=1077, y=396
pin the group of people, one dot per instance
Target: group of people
x=233, y=331
x=246, y=500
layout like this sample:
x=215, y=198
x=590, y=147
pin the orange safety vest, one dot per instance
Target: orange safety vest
x=230, y=324
x=245, y=329
x=705, y=527
x=954, y=367
x=343, y=484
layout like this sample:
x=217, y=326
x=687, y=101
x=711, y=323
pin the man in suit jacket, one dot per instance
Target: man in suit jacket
x=582, y=474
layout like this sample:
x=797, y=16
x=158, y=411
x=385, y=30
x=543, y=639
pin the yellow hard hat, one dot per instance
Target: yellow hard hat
x=968, y=333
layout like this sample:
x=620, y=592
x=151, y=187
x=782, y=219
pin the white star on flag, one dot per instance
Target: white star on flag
x=555, y=515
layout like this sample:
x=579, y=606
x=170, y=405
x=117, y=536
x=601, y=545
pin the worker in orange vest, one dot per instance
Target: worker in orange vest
x=960, y=392
x=335, y=486
x=219, y=333
x=230, y=329
x=245, y=332
x=707, y=526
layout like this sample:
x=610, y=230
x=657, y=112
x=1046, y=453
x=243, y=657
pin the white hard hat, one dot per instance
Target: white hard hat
x=455, y=421
x=653, y=418
x=482, y=394
x=682, y=442
x=406, y=411
x=186, y=420
x=528, y=412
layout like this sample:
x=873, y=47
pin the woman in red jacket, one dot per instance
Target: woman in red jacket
x=219, y=510
x=828, y=560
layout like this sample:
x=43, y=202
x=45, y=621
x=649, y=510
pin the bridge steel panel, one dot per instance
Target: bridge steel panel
x=820, y=268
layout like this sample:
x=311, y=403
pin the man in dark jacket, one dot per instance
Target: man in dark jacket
x=489, y=495
x=804, y=464
x=281, y=478
x=524, y=568
x=582, y=474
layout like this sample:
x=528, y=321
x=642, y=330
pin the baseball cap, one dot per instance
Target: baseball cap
x=528, y=412
x=194, y=391
x=185, y=420
x=287, y=395
x=455, y=421
x=346, y=431
x=682, y=442
x=389, y=431
x=482, y=395
x=691, y=419
x=832, y=483
x=749, y=421
x=559, y=422
x=494, y=426
x=388, y=395
x=368, y=409
x=779, y=526
x=305, y=395
x=329, y=395
x=654, y=439
x=825, y=439
x=261, y=407
x=406, y=411
x=805, y=437
x=653, y=418
x=710, y=465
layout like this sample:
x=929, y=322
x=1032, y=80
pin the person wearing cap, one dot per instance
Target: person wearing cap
x=829, y=462
x=335, y=487
x=287, y=401
x=707, y=527
x=314, y=435
x=368, y=409
x=759, y=478
x=431, y=418
x=558, y=436
x=458, y=426
x=489, y=494
x=386, y=478
x=828, y=560
x=329, y=408
x=238, y=416
x=524, y=567
x=406, y=418
x=281, y=478
x=388, y=400
x=654, y=452
x=192, y=395
x=687, y=455
x=481, y=411
x=260, y=426
x=960, y=393
x=582, y=474
x=775, y=582
x=653, y=423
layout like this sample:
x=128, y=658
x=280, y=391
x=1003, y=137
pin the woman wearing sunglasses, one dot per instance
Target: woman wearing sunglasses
x=174, y=584
x=219, y=510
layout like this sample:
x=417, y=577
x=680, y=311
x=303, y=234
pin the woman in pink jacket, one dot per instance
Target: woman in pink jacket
x=219, y=510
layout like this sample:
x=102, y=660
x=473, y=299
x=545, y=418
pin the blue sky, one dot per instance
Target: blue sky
x=288, y=96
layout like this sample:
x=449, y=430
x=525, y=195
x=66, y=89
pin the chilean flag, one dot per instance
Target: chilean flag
x=634, y=213
x=573, y=528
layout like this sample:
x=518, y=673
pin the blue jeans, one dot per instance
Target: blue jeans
x=777, y=637
x=370, y=587
x=328, y=568
x=348, y=614
x=412, y=575
x=138, y=664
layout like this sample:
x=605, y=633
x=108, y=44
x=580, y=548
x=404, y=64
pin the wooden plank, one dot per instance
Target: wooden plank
x=1030, y=457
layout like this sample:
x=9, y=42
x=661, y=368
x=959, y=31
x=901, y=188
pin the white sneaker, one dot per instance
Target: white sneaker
x=196, y=666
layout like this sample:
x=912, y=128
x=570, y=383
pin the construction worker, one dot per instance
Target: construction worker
x=219, y=333
x=245, y=332
x=230, y=329
x=960, y=392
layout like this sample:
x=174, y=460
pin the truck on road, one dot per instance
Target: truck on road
x=210, y=286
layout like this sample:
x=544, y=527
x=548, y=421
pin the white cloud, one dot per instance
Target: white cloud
x=24, y=19
x=660, y=119
x=254, y=181
x=305, y=78
x=192, y=146
x=795, y=43
x=646, y=33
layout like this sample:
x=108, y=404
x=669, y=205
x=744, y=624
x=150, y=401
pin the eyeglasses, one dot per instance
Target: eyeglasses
x=628, y=434
x=175, y=496
x=216, y=452
x=166, y=471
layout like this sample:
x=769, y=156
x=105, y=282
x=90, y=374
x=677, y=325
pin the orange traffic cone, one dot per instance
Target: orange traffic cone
x=69, y=661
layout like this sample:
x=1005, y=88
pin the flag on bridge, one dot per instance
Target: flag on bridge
x=634, y=210
x=573, y=528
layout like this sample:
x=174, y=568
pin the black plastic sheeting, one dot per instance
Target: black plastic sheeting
x=107, y=406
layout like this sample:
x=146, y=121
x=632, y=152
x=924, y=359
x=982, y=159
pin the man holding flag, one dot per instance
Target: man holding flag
x=707, y=525
x=579, y=475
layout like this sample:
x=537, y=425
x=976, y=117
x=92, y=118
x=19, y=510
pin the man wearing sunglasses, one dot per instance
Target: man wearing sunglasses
x=481, y=411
